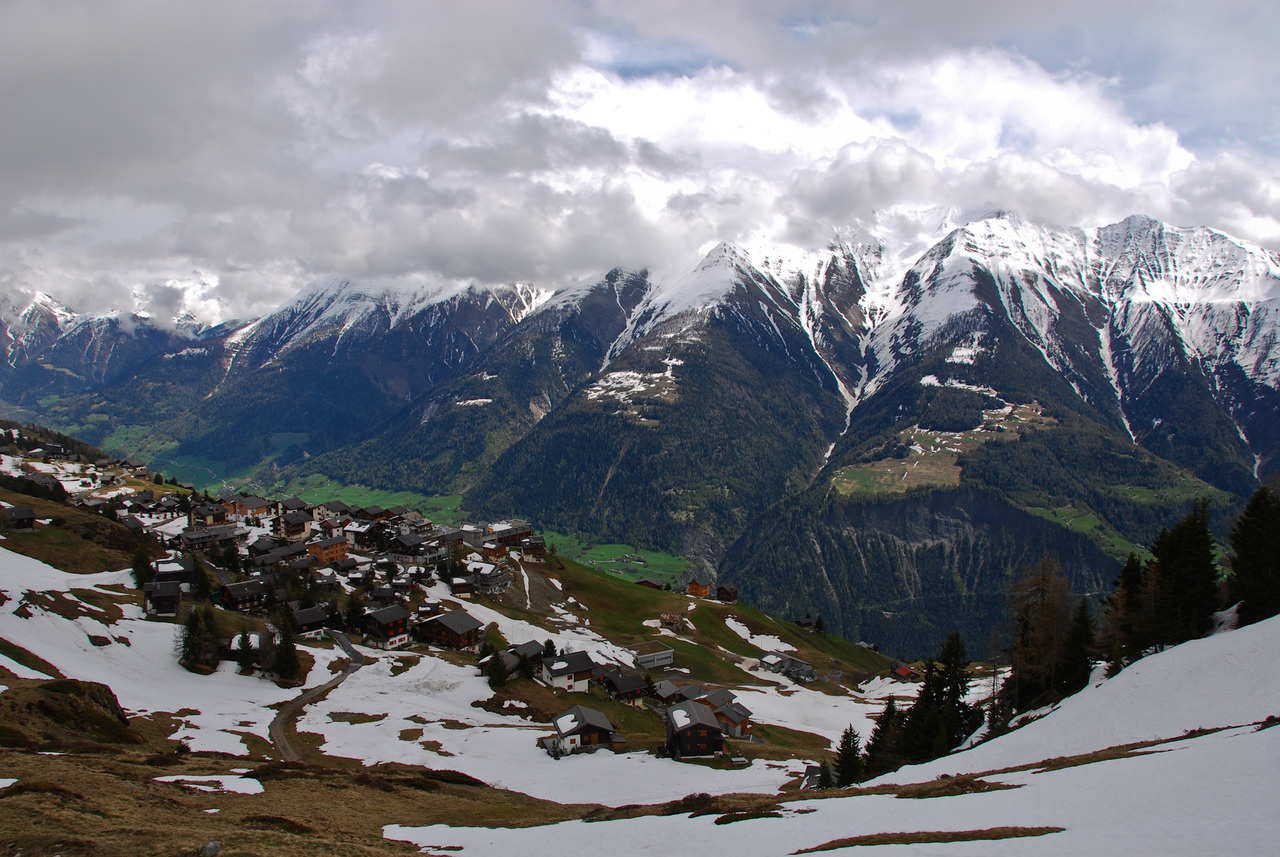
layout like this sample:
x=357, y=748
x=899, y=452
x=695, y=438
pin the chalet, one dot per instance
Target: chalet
x=202, y=538
x=206, y=515
x=461, y=587
x=407, y=547
x=727, y=593
x=456, y=629
x=625, y=687
x=493, y=550
x=175, y=570
x=310, y=621
x=649, y=582
x=346, y=566
x=583, y=730
x=569, y=671
x=449, y=537
x=534, y=547
x=22, y=517
x=134, y=525
x=652, y=654
x=734, y=717
x=902, y=672
x=249, y=595
x=161, y=599
x=532, y=650
x=362, y=535
x=246, y=506
x=666, y=692
x=371, y=513
x=294, y=504
x=294, y=526
x=387, y=628
x=325, y=551
x=699, y=588
x=692, y=730
x=137, y=465
x=325, y=581
x=333, y=509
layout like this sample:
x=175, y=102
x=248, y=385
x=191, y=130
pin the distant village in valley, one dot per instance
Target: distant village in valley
x=247, y=576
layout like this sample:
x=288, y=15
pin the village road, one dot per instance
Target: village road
x=291, y=709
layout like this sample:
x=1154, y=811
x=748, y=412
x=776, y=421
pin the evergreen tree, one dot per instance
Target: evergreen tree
x=284, y=660
x=1077, y=652
x=211, y=637
x=1187, y=587
x=354, y=618
x=849, y=764
x=1041, y=613
x=191, y=646
x=549, y=649
x=825, y=780
x=524, y=667
x=959, y=718
x=333, y=617
x=1255, y=557
x=142, y=570
x=884, y=747
x=496, y=670
x=244, y=651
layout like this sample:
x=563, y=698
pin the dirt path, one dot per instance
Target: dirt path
x=291, y=709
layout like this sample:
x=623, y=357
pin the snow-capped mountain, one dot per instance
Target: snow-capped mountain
x=677, y=409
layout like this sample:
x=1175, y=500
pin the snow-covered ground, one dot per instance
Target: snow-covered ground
x=760, y=641
x=140, y=665
x=1210, y=794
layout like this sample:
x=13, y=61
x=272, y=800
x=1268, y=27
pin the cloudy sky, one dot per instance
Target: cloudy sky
x=218, y=156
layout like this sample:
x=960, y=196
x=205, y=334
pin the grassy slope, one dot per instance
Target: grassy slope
x=81, y=542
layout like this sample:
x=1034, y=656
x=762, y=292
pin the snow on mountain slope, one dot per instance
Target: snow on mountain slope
x=138, y=665
x=1207, y=794
x=1229, y=679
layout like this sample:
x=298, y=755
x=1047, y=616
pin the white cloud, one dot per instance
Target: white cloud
x=240, y=150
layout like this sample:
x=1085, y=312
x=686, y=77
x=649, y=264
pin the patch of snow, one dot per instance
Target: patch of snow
x=760, y=641
x=215, y=783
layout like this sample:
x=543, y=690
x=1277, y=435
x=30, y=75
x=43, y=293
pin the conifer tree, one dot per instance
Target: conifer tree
x=849, y=763
x=884, y=747
x=825, y=780
x=354, y=617
x=1077, y=652
x=496, y=671
x=1255, y=557
x=284, y=660
x=142, y=571
x=244, y=651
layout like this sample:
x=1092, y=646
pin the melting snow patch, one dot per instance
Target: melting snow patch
x=474, y=402
x=930, y=381
x=5, y=782
x=215, y=783
x=760, y=641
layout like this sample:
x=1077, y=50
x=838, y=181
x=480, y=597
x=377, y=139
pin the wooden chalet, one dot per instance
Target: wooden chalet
x=326, y=551
x=727, y=593
x=161, y=598
x=627, y=688
x=294, y=526
x=692, y=731
x=456, y=629
x=734, y=717
x=699, y=588
x=22, y=517
x=569, y=671
x=248, y=595
x=387, y=628
x=310, y=621
x=583, y=730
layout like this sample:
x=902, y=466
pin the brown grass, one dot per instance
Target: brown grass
x=925, y=837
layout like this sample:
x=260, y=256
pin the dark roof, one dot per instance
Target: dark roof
x=324, y=543
x=734, y=712
x=568, y=662
x=690, y=713
x=247, y=587
x=579, y=717
x=459, y=621
x=298, y=517
x=293, y=504
x=719, y=697
x=309, y=616
x=665, y=689
x=19, y=513
x=336, y=506
x=163, y=588
x=387, y=615
x=531, y=649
